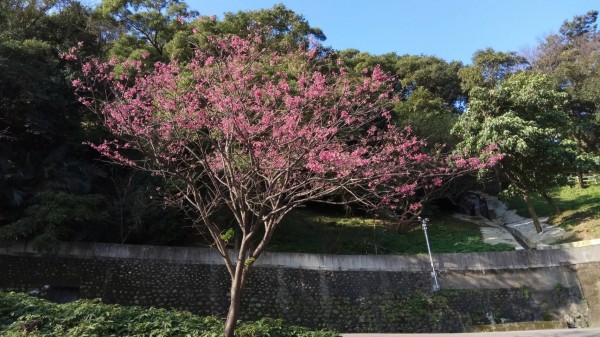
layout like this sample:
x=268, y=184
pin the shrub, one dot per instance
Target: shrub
x=24, y=315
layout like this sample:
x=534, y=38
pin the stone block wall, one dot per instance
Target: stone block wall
x=344, y=300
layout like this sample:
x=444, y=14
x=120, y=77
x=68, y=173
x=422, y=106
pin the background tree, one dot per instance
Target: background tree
x=44, y=169
x=435, y=75
x=146, y=25
x=428, y=87
x=44, y=127
x=490, y=68
x=571, y=59
x=229, y=134
x=168, y=29
x=284, y=25
x=523, y=116
x=429, y=116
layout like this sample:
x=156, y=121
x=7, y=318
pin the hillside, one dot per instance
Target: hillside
x=580, y=211
x=311, y=232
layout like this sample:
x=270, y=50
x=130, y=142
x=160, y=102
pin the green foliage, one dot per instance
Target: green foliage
x=523, y=118
x=571, y=59
x=51, y=187
x=54, y=216
x=428, y=116
x=285, y=26
x=267, y=327
x=525, y=292
x=43, y=154
x=429, y=88
x=433, y=74
x=439, y=77
x=149, y=25
x=490, y=68
x=20, y=19
x=580, y=25
x=249, y=262
x=32, y=90
x=168, y=29
x=227, y=235
x=309, y=232
x=92, y=318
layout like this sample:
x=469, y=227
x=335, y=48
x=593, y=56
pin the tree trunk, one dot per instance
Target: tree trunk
x=237, y=283
x=580, y=179
x=498, y=181
x=551, y=202
x=532, y=213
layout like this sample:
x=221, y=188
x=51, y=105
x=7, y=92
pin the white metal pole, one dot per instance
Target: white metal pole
x=436, y=285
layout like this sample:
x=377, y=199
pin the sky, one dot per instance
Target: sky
x=449, y=29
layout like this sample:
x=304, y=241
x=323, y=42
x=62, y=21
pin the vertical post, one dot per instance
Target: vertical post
x=436, y=285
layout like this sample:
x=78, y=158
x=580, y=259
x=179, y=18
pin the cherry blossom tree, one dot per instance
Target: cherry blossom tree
x=260, y=133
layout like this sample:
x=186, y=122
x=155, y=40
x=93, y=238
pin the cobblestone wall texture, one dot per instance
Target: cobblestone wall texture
x=344, y=300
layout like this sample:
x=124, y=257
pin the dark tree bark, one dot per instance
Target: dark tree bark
x=580, y=180
x=551, y=202
x=532, y=213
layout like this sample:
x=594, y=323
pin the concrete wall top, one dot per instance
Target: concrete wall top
x=416, y=263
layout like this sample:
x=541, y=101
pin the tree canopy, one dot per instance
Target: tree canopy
x=228, y=132
x=571, y=59
x=523, y=117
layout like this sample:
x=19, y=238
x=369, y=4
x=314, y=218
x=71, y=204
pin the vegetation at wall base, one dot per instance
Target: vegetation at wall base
x=24, y=315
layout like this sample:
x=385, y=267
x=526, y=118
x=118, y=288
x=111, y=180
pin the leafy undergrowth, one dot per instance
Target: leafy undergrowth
x=310, y=232
x=23, y=315
x=580, y=211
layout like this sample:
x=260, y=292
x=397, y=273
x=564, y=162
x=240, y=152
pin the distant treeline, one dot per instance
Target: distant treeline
x=538, y=108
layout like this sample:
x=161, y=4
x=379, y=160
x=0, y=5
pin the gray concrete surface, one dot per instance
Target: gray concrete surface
x=538, y=279
x=512, y=260
x=524, y=227
x=509, y=224
x=492, y=232
x=591, y=332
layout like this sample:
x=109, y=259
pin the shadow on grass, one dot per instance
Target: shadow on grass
x=568, y=199
x=310, y=232
x=580, y=211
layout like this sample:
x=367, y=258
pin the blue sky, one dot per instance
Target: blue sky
x=450, y=29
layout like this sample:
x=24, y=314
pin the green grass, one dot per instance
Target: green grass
x=580, y=210
x=21, y=312
x=539, y=204
x=310, y=232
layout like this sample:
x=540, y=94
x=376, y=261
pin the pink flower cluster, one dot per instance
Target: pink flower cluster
x=298, y=134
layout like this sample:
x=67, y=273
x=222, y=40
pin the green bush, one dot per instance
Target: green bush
x=23, y=315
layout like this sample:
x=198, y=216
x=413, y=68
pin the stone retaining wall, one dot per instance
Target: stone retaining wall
x=346, y=293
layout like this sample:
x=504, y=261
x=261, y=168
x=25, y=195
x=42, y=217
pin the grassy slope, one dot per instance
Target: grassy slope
x=309, y=232
x=580, y=211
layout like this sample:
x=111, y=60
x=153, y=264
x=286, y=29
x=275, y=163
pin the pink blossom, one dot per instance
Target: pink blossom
x=76, y=83
x=229, y=122
x=415, y=207
x=68, y=56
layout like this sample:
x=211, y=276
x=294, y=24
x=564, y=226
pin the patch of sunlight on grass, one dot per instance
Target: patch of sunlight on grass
x=312, y=232
x=580, y=211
